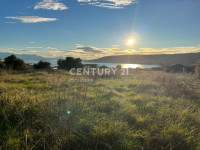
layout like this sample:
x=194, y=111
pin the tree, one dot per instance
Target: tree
x=42, y=65
x=14, y=63
x=2, y=65
x=69, y=63
x=197, y=70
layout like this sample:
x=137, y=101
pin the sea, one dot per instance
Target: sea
x=110, y=65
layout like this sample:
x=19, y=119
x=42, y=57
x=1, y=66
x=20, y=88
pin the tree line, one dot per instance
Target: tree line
x=13, y=63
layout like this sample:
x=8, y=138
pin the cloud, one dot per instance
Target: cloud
x=50, y=5
x=89, y=49
x=91, y=52
x=112, y=4
x=43, y=47
x=34, y=47
x=32, y=19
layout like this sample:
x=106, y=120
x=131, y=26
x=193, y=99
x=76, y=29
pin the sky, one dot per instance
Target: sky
x=95, y=28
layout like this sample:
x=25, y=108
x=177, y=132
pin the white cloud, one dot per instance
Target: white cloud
x=32, y=19
x=50, y=5
x=34, y=47
x=44, y=47
x=112, y=4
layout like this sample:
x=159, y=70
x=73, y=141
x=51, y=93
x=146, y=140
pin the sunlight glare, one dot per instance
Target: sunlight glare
x=131, y=41
x=133, y=66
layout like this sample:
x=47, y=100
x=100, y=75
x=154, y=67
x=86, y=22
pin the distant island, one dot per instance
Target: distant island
x=163, y=59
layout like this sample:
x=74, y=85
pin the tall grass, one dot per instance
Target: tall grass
x=146, y=110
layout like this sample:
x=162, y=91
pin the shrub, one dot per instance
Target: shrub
x=2, y=65
x=14, y=63
x=42, y=65
x=179, y=68
x=69, y=63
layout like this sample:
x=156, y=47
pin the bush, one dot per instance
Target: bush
x=69, y=63
x=29, y=67
x=42, y=65
x=178, y=68
x=14, y=63
x=2, y=65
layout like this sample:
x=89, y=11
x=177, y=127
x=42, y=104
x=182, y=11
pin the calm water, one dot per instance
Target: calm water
x=54, y=63
x=124, y=65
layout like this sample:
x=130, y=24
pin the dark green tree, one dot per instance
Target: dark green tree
x=2, y=65
x=14, y=63
x=42, y=65
x=69, y=63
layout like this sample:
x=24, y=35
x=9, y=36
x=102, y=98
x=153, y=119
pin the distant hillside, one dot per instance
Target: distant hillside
x=25, y=57
x=165, y=59
x=31, y=59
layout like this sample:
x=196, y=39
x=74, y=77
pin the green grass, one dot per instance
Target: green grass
x=146, y=110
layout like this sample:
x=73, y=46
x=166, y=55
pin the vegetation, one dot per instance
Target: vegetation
x=197, y=70
x=178, y=68
x=42, y=65
x=146, y=110
x=14, y=63
x=2, y=65
x=69, y=63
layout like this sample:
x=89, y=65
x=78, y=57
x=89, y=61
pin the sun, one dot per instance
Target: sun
x=131, y=41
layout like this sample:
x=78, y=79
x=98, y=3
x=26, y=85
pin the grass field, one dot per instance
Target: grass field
x=143, y=111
